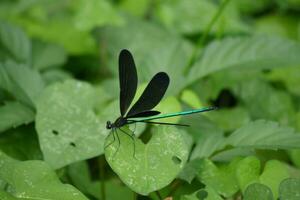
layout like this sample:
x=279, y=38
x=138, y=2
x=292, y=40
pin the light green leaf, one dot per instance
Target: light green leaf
x=263, y=134
x=14, y=114
x=193, y=16
x=155, y=164
x=94, y=13
x=190, y=98
x=34, y=180
x=289, y=189
x=47, y=55
x=221, y=179
x=247, y=172
x=258, y=191
x=203, y=194
x=274, y=173
x=260, y=52
x=14, y=44
x=24, y=83
x=68, y=129
x=153, y=49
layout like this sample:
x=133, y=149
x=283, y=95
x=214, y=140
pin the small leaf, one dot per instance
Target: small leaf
x=67, y=125
x=289, y=189
x=155, y=164
x=24, y=83
x=221, y=179
x=248, y=171
x=263, y=134
x=258, y=52
x=33, y=180
x=14, y=114
x=258, y=191
x=14, y=44
x=274, y=173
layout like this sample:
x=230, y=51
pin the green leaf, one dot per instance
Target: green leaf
x=14, y=114
x=34, y=180
x=190, y=98
x=153, y=49
x=202, y=194
x=66, y=124
x=21, y=143
x=14, y=44
x=190, y=170
x=263, y=134
x=24, y=83
x=258, y=191
x=289, y=189
x=155, y=164
x=221, y=179
x=247, y=172
x=94, y=13
x=47, y=55
x=274, y=173
x=193, y=16
x=258, y=52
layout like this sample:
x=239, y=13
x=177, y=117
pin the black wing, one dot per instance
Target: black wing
x=145, y=114
x=128, y=80
x=152, y=95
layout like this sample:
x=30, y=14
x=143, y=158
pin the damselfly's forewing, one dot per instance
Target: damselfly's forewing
x=128, y=80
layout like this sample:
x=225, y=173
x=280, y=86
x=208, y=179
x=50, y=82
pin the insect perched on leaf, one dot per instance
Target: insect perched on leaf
x=141, y=111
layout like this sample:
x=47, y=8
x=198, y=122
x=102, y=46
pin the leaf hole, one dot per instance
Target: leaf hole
x=55, y=132
x=176, y=160
x=72, y=144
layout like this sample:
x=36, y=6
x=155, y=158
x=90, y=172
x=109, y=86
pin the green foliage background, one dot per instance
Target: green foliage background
x=59, y=86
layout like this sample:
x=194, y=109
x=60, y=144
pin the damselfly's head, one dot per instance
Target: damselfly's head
x=108, y=125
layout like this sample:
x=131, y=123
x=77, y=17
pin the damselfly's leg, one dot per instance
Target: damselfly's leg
x=113, y=133
x=133, y=140
x=119, y=143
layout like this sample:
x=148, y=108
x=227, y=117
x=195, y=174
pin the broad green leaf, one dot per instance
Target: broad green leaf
x=14, y=114
x=68, y=129
x=252, y=7
x=289, y=189
x=190, y=170
x=24, y=83
x=47, y=55
x=153, y=49
x=274, y=173
x=21, y=143
x=81, y=178
x=263, y=134
x=221, y=179
x=155, y=164
x=34, y=180
x=247, y=172
x=14, y=44
x=260, y=52
x=55, y=75
x=169, y=105
x=193, y=16
x=137, y=9
x=258, y=191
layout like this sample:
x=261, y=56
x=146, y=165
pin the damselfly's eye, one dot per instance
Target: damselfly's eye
x=108, y=125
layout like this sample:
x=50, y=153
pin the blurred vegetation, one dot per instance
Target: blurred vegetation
x=59, y=86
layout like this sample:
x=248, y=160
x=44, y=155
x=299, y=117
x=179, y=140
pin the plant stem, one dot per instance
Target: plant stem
x=203, y=38
x=102, y=178
x=158, y=195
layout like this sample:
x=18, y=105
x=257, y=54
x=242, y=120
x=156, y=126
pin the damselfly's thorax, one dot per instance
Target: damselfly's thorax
x=118, y=123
